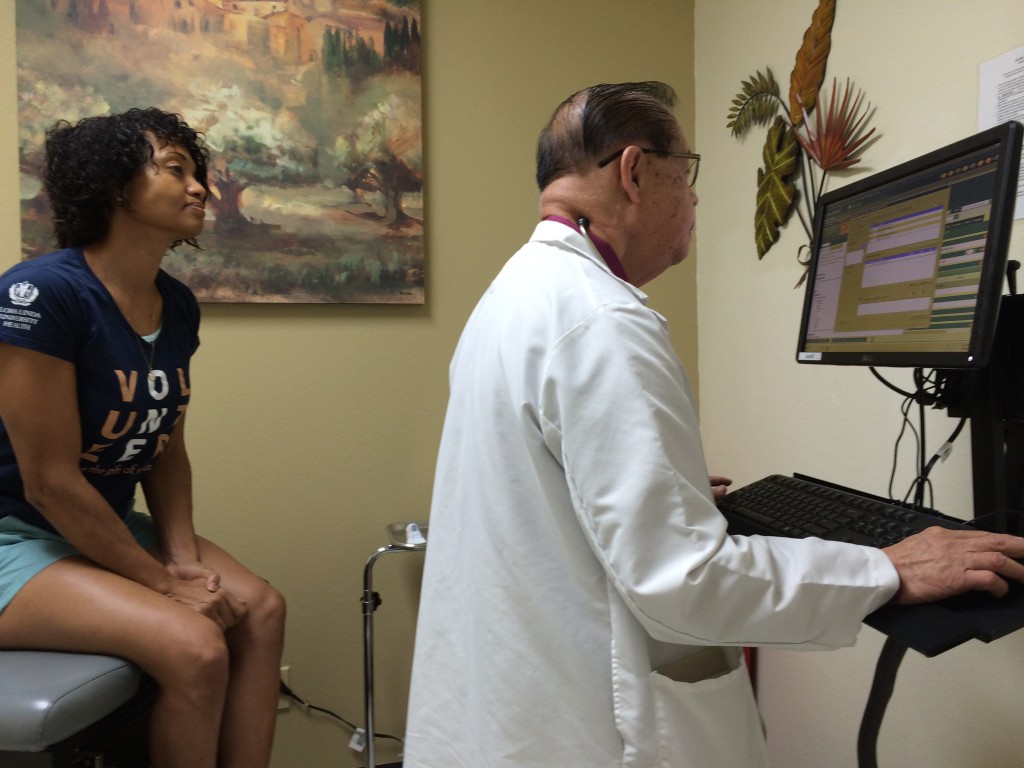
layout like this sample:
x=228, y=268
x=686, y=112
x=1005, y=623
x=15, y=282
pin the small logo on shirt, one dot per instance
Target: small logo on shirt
x=23, y=294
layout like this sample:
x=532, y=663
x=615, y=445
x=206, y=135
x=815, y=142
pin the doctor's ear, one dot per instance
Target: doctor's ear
x=631, y=166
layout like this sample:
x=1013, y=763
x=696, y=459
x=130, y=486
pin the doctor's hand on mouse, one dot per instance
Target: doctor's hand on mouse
x=939, y=563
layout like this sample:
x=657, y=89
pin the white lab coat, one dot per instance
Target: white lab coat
x=575, y=547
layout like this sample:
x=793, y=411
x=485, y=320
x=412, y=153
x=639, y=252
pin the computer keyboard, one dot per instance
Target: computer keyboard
x=804, y=506
x=798, y=507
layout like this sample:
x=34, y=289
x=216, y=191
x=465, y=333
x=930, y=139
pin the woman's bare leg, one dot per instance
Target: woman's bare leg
x=73, y=605
x=255, y=644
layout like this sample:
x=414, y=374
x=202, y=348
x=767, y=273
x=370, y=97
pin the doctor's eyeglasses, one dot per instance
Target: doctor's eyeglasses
x=691, y=169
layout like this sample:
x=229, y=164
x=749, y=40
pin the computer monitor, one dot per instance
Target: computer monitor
x=907, y=265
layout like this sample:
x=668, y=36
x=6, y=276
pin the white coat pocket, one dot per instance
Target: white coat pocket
x=710, y=722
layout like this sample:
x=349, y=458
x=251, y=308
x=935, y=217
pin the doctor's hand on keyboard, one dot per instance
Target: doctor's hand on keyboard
x=939, y=563
x=719, y=486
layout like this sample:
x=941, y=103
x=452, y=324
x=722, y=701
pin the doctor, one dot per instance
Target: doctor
x=583, y=605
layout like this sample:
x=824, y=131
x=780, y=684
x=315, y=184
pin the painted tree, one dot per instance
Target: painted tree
x=402, y=45
x=249, y=144
x=384, y=154
x=331, y=52
x=360, y=58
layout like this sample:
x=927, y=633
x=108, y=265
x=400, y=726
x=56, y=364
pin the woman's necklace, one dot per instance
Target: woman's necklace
x=153, y=313
x=150, y=377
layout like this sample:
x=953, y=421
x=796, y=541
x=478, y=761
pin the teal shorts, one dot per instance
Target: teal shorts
x=25, y=550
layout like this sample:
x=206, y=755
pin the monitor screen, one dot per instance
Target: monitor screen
x=907, y=265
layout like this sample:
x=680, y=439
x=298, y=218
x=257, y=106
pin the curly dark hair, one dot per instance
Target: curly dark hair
x=89, y=165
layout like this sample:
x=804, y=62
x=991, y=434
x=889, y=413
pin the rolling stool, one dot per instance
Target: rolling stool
x=72, y=710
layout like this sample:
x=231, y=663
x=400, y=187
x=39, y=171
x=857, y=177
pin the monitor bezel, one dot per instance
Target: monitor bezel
x=1007, y=137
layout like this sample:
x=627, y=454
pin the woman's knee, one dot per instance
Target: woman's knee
x=267, y=610
x=195, y=657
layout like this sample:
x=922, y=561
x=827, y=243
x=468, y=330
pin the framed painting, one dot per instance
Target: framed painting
x=311, y=110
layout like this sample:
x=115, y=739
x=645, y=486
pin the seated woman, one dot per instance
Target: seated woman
x=95, y=343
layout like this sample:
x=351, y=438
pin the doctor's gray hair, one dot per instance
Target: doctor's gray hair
x=601, y=119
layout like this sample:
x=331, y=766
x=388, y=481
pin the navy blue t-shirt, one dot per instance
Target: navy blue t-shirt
x=54, y=304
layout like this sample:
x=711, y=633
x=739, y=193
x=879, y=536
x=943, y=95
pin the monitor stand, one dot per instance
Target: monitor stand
x=993, y=399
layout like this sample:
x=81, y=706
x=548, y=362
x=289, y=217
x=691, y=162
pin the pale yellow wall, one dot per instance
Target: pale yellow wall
x=918, y=63
x=311, y=427
x=314, y=426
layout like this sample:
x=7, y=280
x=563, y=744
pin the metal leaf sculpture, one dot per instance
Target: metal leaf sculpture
x=775, y=191
x=809, y=70
x=756, y=104
x=788, y=182
x=837, y=141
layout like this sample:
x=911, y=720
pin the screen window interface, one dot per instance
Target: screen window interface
x=899, y=265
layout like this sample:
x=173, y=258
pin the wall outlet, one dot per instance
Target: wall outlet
x=283, y=702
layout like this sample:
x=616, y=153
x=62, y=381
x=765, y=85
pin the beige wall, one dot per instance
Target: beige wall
x=918, y=63
x=312, y=427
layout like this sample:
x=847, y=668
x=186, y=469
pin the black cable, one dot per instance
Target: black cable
x=923, y=396
x=891, y=386
x=930, y=389
x=905, y=424
x=927, y=396
x=942, y=452
x=881, y=691
x=286, y=691
x=896, y=449
x=918, y=486
x=920, y=381
x=922, y=481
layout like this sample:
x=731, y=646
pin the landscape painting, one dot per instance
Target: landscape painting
x=311, y=110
